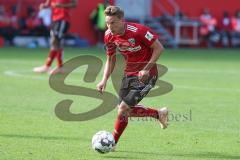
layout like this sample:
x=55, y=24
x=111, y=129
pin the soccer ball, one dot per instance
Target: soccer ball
x=103, y=142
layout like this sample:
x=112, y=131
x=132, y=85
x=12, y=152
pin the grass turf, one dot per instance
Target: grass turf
x=204, y=119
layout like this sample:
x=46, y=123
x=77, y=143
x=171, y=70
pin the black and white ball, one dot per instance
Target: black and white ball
x=103, y=142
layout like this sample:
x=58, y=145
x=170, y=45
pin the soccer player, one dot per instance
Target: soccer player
x=60, y=25
x=141, y=49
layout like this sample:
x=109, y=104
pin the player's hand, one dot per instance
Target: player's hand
x=143, y=75
x=57, y=5
x=42, y=6
x=110, y=47
x=101, y=86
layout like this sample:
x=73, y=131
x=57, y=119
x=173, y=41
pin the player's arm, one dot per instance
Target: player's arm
x=109, y=66
x=72, y=4
x=108, y=69
x=157, y=51
x=46, y=4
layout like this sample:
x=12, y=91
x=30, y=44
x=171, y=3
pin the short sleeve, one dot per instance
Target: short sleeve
x=147, y=36
x=109, y=45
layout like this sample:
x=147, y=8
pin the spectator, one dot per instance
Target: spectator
x=208, y=28
x=97, y=18
x=225, y=29
x=3, y=21
x=14, y=19
x=33, y=23
x=235, y=34
x=6, y=29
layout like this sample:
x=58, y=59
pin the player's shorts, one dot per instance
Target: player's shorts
x=59, y=28
x=132, y=91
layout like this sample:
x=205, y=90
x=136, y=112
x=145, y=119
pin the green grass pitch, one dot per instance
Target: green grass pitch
x=204, y=104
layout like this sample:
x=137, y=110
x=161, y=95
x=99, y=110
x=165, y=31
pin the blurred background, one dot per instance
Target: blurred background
x=179, y=23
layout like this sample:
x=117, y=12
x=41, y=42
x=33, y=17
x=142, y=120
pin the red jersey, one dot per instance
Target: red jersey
x=235, y=24
x=60, y=13
x=134, y=45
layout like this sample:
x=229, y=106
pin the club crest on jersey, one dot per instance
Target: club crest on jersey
x=132, y=41
x=149, y=36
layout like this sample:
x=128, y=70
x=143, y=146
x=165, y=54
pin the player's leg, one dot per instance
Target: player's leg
x=121, y=121
x=138, y=92
x=131, y=93
x=129, y=96
x=123, y=111
x=142, y=111
x=52, y=51
x=58, y=45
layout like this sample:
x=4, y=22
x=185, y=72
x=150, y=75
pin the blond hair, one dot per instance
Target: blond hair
x=114, y=11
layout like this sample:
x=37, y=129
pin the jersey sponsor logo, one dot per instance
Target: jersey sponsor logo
x=127, y=45
x=134, y=49
x=129, y=49
x=149, y=36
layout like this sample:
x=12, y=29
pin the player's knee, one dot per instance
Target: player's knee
x=123, y=109
x=55, y=42
x=55, y=46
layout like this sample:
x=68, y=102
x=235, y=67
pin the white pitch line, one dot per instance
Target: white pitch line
x=12, y=73
x=16, y=74
x=210, y=89
x=24, y=74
